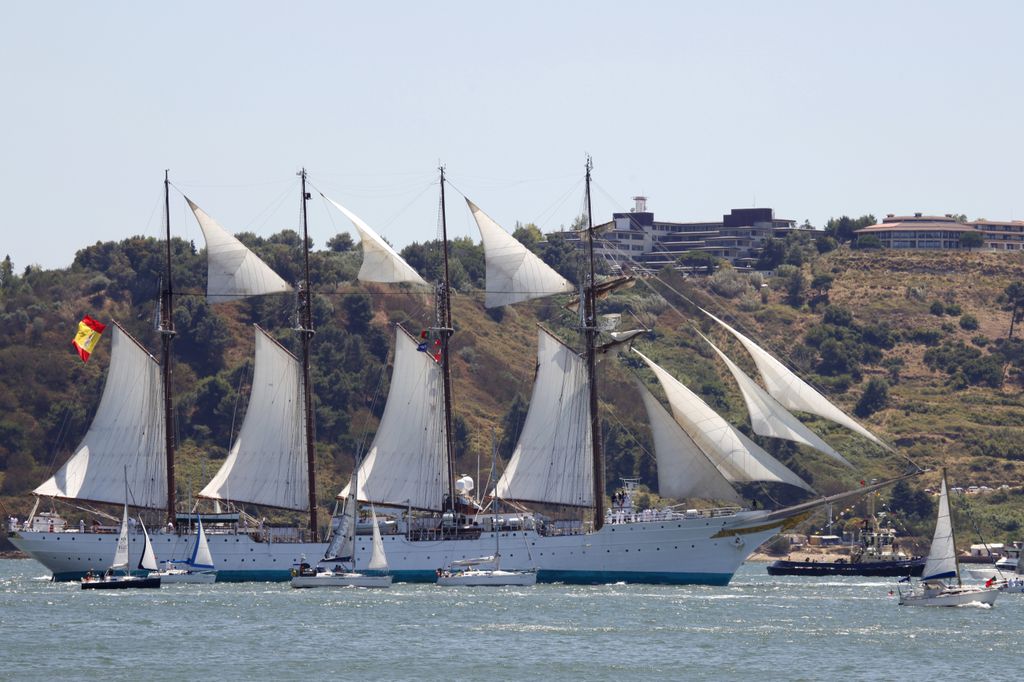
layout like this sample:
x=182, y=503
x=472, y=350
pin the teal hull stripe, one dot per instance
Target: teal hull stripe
x=570, y=577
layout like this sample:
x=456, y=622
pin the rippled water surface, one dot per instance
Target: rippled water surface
x=771, y=628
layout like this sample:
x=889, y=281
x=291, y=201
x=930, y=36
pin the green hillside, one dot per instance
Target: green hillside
x=914, y=343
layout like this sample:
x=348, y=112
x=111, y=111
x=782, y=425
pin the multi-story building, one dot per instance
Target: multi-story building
x=943, y=232
x=636, y=238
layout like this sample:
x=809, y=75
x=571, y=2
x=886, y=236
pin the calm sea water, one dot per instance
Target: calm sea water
x=759, y=627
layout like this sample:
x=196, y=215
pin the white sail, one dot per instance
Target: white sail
x=514, y=273
x=768, y=417
x=552, y=462
x=233, y=271
x=791, y=391
x=378, y=560
x=406, y=463
x=267, y=462
x=738, y=458
x=684, y=471
x=381, y=263
x=148, y=560
x=201, y=557
x=126, y=437
x=121, y=553
x=941, y=561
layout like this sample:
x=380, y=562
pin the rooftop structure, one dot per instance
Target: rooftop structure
x=637, y=239
x=943, y=232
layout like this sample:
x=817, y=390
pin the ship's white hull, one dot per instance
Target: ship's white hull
x=699, y=550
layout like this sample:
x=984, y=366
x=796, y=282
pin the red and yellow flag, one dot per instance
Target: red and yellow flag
x=88, y=335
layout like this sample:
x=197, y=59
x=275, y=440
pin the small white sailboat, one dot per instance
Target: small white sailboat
x=342, y=551
x=197, y=569
x=941, y=565
x=112, y=579
x=486, y=571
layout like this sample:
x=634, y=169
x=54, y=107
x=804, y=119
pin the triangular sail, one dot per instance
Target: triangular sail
x=941, y=561
x=126, y=437
x=201, y=557
x=737, y=457
x=768, y=417
x=267, y=462
x=514, y=273
x=406, y=464
x=233, y=271
x=381, y=263
x=791, y=391
x=378, y=560
x=148, y=560
x=121, y=553
x=684, y=471
x=552, y=462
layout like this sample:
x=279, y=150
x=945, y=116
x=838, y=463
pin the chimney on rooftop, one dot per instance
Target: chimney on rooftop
x=917, y=215
x=641, y=204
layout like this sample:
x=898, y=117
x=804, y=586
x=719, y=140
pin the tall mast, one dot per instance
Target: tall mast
x=166, y=337
x=306, y=329
x=590, y=332
x=444, y=321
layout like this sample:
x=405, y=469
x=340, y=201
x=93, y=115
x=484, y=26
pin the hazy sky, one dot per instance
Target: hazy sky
x=813, y=108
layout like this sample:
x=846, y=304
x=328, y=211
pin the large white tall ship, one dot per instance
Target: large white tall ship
x=407, y=472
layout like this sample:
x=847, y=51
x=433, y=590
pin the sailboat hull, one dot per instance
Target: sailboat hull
x=341, y=580
x=178, y=576
x=121, y=583
x=704, y=550
x=488, y=578
x=954, y=596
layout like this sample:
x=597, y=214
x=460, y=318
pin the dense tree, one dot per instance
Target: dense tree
x=822, y=283
x=971, y=240
x=874, y=398
x=868, y=241
x=843, y=229
x=340, y=242
x=698, y=260
x=910, y=502
x=1013, y=298
x=772, y=255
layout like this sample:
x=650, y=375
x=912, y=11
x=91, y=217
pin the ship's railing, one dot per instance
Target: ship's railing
x=648, y=515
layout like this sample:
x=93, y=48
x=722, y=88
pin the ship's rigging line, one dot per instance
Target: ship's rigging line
x=670, y=304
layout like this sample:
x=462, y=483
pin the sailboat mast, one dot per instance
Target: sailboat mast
x=166, y=337
x=444, y=304
x=307, y=391
x=590, y=332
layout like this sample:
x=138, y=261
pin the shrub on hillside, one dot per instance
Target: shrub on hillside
x=926, y=337
x=965, y=364
x=937, y=309
x=728, y=283
x=874, y=398
x=968, y=322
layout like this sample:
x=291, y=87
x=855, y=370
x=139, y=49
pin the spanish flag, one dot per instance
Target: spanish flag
x=89, y=331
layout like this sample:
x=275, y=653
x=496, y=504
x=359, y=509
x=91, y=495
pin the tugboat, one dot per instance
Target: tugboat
x=877, y=554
